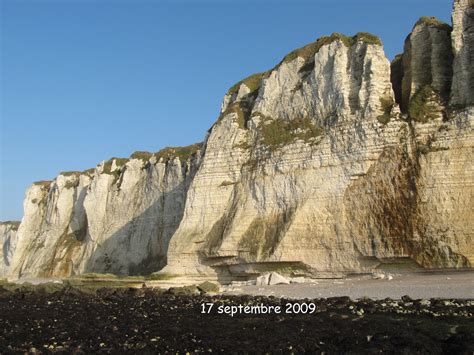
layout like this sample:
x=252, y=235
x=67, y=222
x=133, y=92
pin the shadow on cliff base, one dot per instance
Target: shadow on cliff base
x=149, y=239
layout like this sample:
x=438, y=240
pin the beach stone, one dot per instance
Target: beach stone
x=184, y=291
x=406, y=298
x=297, y=280
x=263, y=280
x=277, y=279
x=208, y=287
x=425, y=303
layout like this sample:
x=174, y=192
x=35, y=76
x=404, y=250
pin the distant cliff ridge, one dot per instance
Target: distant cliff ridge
x=8, y=232
x=117, y=218
x=334, y=161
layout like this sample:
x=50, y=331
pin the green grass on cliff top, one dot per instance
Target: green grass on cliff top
x=433, y=21
x=118, y=163
x=142, y=155
x=43, y=183
x=311, y=49
x=168, y=153
x=253, y=82
x=183, y=153
x=77, y=173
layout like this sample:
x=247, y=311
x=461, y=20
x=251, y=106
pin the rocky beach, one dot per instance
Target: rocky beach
x=355, y=315
x=54, y=318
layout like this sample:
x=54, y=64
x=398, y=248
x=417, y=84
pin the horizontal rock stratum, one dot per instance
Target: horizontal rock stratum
x=334, y=161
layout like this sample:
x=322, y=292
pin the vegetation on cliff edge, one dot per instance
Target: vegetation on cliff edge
x=183, y=153
x=43, y=183
x=119, y=162
x=311, y=49
x=433, y=21
x=253, y=82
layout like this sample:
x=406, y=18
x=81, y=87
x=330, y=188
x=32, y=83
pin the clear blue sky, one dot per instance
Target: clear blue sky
x=82, y=81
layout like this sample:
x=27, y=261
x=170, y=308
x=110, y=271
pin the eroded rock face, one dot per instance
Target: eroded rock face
x=117, y=218
x=311, y=168
x=443, y=221
x=273, y=191
x=463, y=47
x=316, y=165
x=427, y=60
x=8, y=232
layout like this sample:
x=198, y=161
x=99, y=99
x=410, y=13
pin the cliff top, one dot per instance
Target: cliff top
x=167, y=154
x=13, y=224
x=306, y=52
x=311, y=49
x=252, y=82
x=71, y=173
x=433, y=21
x=43, y=183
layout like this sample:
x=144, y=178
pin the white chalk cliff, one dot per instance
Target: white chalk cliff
x=7, y=245
x=117, y=218
x=334, y=161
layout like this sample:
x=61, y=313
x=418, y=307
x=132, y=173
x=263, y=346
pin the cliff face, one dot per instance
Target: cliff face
x=427, y=61
x=280, y=158
x=313, y=166
x=8, y=232
x=333, y=161
x=463, y=47
x=117, y=218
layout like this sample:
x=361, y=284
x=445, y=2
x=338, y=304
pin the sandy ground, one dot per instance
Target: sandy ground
x=436, y=285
